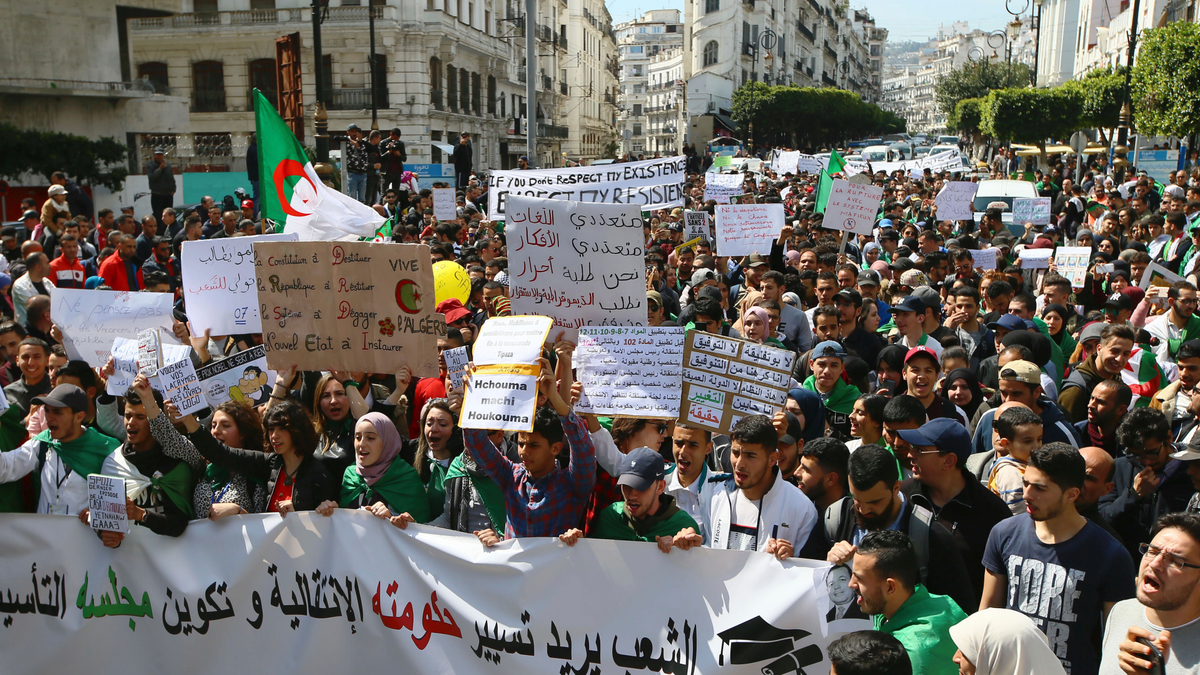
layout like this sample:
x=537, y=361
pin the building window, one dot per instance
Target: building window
x=204, y=6
x=435, y=80
x=208, y=86
x=452, y=87
x=262, y=4
x=156, y=73
x=491, y=96
x=464, y=89
x=637, y=109
x=711, y=6
x=710, y=53
x=475, y=107
x=262, y=78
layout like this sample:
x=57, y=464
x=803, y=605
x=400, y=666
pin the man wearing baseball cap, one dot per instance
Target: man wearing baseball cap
x=828, y=361
x=647, y=514
x=1191, y=459
x=1021, y=381
x=909, y=316
x=921, y=372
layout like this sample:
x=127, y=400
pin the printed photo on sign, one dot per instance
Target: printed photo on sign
x=243, y=377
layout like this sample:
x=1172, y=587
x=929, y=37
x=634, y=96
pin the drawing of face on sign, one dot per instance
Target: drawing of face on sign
x=253, y=385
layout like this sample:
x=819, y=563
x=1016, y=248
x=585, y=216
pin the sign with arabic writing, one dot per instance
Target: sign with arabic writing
x=721, y=186
x=423, y=600
x=218, y=284
x=630, y=372
x=743, y=229
x=725, y=379
x=581, y=264
x=956, y=200
x=648, y=185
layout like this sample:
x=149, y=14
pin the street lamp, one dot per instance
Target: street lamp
x=766, y=40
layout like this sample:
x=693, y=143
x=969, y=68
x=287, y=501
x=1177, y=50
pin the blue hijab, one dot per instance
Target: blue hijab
x=814, y=412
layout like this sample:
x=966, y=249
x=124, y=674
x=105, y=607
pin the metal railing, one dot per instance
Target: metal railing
x=90, y=85
x=212, y=100
x=805, y=30
x=341, y=98
x=562, y=88
x=547, y=83
x=552, y=131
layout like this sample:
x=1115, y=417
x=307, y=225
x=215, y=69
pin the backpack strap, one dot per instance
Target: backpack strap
x=836, y=516
x=918, y=531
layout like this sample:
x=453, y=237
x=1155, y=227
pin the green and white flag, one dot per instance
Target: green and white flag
x=825, y=184
x=293, y=195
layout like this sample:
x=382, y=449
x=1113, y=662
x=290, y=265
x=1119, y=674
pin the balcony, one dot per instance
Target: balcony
x=435, y=97
x=552, y=131
x=830, y=51
x=817, y=6
x=208, y=101
x=562, y=88
x=547, y=83
x=256, y=17
x=805, y=31
x=340, y=98
x=95, y=88
x=608, y=98
x=562, y=41
x=521, y=76
x=828, y=80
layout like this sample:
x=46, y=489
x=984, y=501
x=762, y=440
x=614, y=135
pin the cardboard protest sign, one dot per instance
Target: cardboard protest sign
x=106, y=503
x=695, y=224
x=725, y=379
x=89, y=320
x=581, y=264
x=955, y=201
x=1035, y=258
x=1034, y=210
x=722, y=186
x=243, y=377
x=444, y=206
x=502, y=393
x=648, y=185
x=219, y=284
x=1157, y=275
x=630, y=372
x=985, y=259
x=456, y=364
x=1072, y=262
x=743, y=229
x=149, y=357
x=852, y=207
x=179, y=384
x=356, y=306
x=125, y=366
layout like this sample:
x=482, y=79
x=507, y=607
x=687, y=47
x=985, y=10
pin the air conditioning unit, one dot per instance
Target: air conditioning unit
x=712, y=106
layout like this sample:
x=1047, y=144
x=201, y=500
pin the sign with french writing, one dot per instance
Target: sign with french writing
x=695, y=224
x=124, y=354
x=502, y=392
x=955, y=201
x=720, y=187
x=1034, y=210
x=178, y=383
x=149, y=358
x=725, y=379
x=511, y=339
x=1072, y=262
x=647, y=185
x=581, y=264
x=106, y=503
x=630, y=372
x=743, y=229
x=89, y=320
x=444, y=207
x=356, y=306
x=243, y=377
x=457, y=360
x=852, y=207
x=219, y=284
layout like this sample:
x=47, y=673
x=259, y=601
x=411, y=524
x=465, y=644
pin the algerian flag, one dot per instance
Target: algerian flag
x=1143, y=375
x=825, y=184
x=293, y=195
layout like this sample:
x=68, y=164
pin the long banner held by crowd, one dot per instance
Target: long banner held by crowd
x=355, y=306
x=90, y=320
x=946, y=160
x=652, y=184
x=352, y=593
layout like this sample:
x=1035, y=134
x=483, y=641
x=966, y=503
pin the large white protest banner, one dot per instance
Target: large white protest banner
x=743, y=229
x=89, y=320
x=352, y=593
x=502, y=392
x=852, y=207
x=954, y=202
x=243, y=377
x=721, y=186
x=219, y=284
x=1034, y=210
x=630, y=372
x=947, y=160
x=582, y=264
x=652, y=184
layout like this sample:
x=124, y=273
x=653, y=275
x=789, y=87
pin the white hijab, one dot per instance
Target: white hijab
x=1005, y=642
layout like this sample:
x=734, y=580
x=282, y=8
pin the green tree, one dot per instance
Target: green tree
x=808, y=116
x=1099, y=94
x=1030, y=115
x=966, y=115
x=98, y=162
x=975, y=79
x=1166, y=81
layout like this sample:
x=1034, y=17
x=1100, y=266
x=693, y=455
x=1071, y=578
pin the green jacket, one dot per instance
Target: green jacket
x=922, y=625
x=615, y=523
x=841, y=399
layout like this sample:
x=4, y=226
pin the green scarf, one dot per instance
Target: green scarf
x=219, y=477
x=177, y=485
x=1191, y=331
x=84, y=455
x=1056, y=352
x=399, y=486
x=841, y=399
x=436, y=489
x=489, y=492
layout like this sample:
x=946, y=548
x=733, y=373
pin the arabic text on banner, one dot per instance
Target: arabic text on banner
x=355, y=306
x=725, y=379
x=219, y=284
x=721, y=186
x=651, y=184
x=581, y=264
x=352, y=593
x=985, y=259
x=955, y=201
x=1034, y=210
x=630, y=372
x=852, y=207
x=89, y=320
x=743, y=229
x=444, y=206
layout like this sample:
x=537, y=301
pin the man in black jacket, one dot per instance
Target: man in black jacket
x=392, y=158
x=462, y=161
x=161, y=182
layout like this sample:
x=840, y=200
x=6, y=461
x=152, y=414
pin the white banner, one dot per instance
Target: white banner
x=90, y=320
x=219, y=287
x=743, y=229
x=352, y=593
x=581, y=264
x=630, y=372
x=946, y=160
x=955, y=201
x=786, y=162
x=652, y=184
x=852, y=207
x=722, y=186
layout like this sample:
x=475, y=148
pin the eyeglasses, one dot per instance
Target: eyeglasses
x=1173, y=561
x=1146, y=452
x=661, y=427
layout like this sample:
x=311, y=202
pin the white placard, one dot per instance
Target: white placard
x=1072, y=262
x=243, y=377
x=499, y=401
x=456, y=364
x=106, y=503
x=696, y=225
x=647, y=185
x=125, y=366
x=955, y=201
x=219, y=286
x=1034, y=210
x=149, y=358
x=444, y=206
x=809, y=164
x=722, y=186
x=743, y=229
x=1035, y=258
x=1157, y=275
x=946, y=160
x=786, y=162
x=630, y=372
x=89, y=320
x=179, y=385
x=852, y=207
x=581, y=264
x=985, y=259
x=511, y=339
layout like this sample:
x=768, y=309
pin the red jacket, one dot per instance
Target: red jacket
x=67, y=275
x=116, y=273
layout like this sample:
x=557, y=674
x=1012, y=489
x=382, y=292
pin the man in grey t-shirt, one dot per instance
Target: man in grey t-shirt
x=1167, y=608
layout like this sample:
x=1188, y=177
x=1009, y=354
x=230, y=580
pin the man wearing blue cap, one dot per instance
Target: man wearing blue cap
x=828, y=362
x=909, y=316
x=647, y=514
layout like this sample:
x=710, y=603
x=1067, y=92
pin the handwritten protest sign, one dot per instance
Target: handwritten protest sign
x=456, y=364
x=502, y=393
x=722, y=186
x=1072, y=262
x=125, y=366
x=89, y=320
x=852, y=207
x=696, y=225
x=106, y=503
x=648, y=185
x=786, y=162
x=356, y=306
x=149, y=358
x=444, y=207
x=1034, y=210
x=743, y=229
x=630, y=372
x=985, y=259
x=725, y=379
x=219, y=284
x=243, y=377
x=1035, y=258
x=178, y=383
x=582, y=264
x=955, y=201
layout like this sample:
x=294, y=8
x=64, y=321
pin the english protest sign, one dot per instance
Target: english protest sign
x=647, y=185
